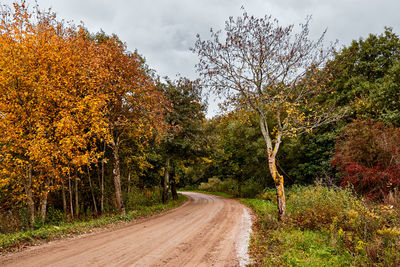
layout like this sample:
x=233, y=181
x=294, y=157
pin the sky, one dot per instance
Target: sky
x=163, y=31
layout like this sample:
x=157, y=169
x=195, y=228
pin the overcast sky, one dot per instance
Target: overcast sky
x=164, y=30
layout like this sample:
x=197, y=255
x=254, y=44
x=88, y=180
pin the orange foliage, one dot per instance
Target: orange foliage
x=61, y=93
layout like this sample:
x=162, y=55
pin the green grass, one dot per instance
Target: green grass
x=274, y=244
x=260, y=206
x=48, y=232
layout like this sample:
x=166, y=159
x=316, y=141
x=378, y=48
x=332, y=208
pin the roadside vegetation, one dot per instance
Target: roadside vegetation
x=327, y=227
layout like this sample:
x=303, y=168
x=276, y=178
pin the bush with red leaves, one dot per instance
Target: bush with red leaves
x=367, y=153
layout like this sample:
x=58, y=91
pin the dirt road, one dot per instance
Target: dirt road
x=206, y=231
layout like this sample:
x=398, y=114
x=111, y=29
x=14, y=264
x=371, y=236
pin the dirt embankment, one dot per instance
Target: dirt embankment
x=206, y=231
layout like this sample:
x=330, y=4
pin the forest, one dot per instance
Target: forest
x=309, y=136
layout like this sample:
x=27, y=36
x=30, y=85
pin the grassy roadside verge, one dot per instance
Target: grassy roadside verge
x=14, y=241
x=325, y=227
x=273, y=244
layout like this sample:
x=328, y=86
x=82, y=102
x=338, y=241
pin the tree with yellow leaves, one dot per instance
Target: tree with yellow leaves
x=135, y=108
x=62, y=93
x=51, y=103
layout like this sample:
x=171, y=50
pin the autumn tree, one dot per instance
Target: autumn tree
x=26, y=42
x=134, y=107
x=51, y=105
x=273, y=70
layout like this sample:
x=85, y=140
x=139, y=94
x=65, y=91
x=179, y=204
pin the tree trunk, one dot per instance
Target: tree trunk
x=173, y=189
x=166, y=180
x=71, y=202
x=29, y=197
x=281, y=199
x=119, y=203
x=98, y=171
x=76, y=197
x=64, y=198
x=240, y=187
x=278, y=179
x=43, y=209
x=129, y=183
x=92, y=191
x=280, y=190
x=102, y=179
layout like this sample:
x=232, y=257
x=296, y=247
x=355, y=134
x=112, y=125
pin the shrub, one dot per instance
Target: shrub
x=229, y=186
x=250, y=189
x=216, y=185
x=338, y=223
x=266, y=212
x=368, y=155
x=371, y=231
x=146, y=197
x=315, y=207
x=10, y=221
x=268, y=194
x=211, y=185
x=55, y=216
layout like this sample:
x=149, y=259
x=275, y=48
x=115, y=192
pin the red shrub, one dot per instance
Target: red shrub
x=368, y=155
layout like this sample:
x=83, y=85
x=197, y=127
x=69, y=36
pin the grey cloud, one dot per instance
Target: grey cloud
x=163, y=30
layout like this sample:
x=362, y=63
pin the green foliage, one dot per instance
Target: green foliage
x=308, y=157
x=365, y=81
x=368, y=79
x=265, y=210
x=185, y=139
x=216, y=185
x=185, y=118
x=230, y=186
x=250, y=188
x=143, y=197
x=237, y=157
x=268, y=194
x=242, y=153
x=55, y=216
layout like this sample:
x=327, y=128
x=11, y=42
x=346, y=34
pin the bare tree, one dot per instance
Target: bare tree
x=275, y=71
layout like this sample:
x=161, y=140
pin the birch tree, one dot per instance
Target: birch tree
x=273, y=70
